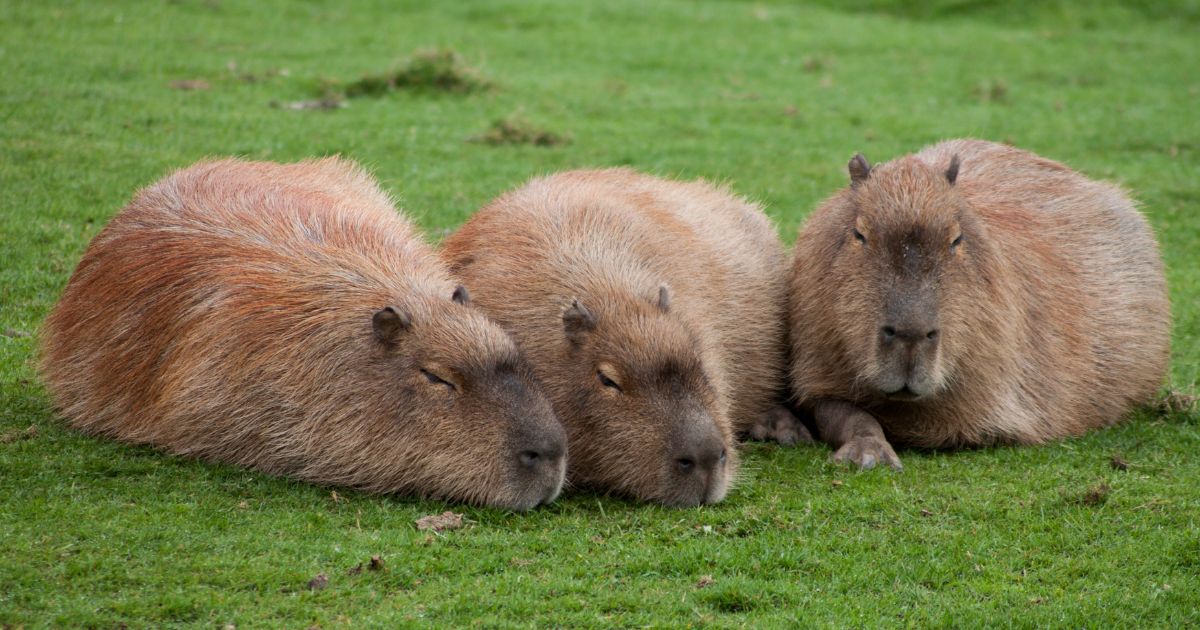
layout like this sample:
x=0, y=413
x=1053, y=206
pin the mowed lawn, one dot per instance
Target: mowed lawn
x=100, y=98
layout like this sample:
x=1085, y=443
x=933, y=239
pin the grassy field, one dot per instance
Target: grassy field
x=101, y=98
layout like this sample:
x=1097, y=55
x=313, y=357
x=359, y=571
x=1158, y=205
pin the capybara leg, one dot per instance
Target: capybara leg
x=780, y=425
x=854, y=434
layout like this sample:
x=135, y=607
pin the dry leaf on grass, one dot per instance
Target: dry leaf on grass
x=440, y=522
x=15, y=436
x=327, y=103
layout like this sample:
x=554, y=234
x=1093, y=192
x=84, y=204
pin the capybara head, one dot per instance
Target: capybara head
x=286, y=318
x=909, y=258
x=482, y=428
x=642, y=402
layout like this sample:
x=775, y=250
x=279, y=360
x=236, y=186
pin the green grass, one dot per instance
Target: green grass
x=772, y=98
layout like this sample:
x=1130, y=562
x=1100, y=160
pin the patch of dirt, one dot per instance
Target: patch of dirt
x=517, y=130
x=1118, y=463
x=190, y=85
x=1095, y=495
x=440, y=522
x=705, y=581
x=16, y=334
x=319, y=582
x=991, y=91
x=440, y=69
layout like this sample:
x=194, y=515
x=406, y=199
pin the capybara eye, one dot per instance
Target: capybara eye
x=608, y=382
x=434, y=378
x=859, y=235
x=956, y=242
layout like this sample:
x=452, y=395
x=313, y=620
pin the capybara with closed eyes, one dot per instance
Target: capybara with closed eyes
x=653, y=313
x=285, y=318
x=974, y=294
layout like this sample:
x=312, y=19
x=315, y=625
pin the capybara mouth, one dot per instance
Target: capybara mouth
x=904, y=394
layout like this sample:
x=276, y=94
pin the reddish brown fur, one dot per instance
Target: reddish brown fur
x=226, y=313
x=714, y=357
x=1051, y=315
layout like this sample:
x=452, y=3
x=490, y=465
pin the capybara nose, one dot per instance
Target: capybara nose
x=889, y=334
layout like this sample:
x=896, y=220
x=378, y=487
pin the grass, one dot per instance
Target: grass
x=770, y=97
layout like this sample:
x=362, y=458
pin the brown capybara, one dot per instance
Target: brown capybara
x=973, y=294
x=652, y=312
x=285, y=318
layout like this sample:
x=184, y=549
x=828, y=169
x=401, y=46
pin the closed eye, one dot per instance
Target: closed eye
x=434, y=378
x=859, y=235
x=956, y=242
x=608, y=382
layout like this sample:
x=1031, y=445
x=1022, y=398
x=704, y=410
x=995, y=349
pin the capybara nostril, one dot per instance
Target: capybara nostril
x=931, y=335
x=529, y=459
x=888, y=332
x=685, y=465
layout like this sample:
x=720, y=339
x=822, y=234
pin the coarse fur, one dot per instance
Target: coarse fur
x=1047, y=318
x=286, y=318
x=653, y=313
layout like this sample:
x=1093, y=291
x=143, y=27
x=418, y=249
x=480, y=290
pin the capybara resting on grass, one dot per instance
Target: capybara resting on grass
x=285, y=318
x=652, y=312
x=973, y=294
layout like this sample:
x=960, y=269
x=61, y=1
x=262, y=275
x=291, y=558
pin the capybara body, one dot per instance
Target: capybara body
x=975, y=294
x=652, y=312
x=285, y=318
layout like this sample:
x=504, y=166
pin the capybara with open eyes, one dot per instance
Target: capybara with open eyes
x=285, y=318
x=653, y=313
x=974, y=294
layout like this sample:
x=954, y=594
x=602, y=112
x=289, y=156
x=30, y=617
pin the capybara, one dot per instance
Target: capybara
x=653, y=313
x=285, y=318
x=973, y=294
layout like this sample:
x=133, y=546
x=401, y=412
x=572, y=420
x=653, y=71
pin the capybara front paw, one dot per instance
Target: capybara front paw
x=780, y=425
x=867, y=452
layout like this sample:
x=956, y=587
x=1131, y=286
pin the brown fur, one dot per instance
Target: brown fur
x=229, y=312
x=1049, y=318
x=621, y=244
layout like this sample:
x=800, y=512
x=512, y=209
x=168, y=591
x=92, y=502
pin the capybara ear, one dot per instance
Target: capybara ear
x=578, y=321
x=461, y=295
x=860, y=170
x=664, y=298
x=952, y=171
x=388, y=323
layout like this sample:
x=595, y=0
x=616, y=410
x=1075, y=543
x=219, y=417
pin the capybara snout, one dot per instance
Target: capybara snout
x=287, y=319
x=697, y=463
x=907, y=345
